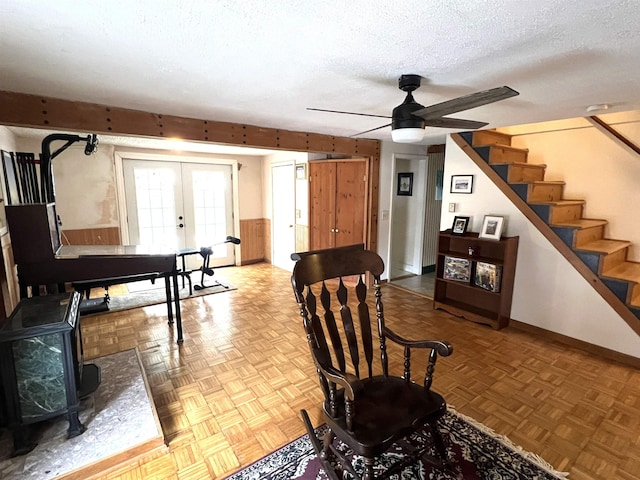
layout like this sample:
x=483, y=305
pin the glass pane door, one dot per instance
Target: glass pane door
x=208, y=209
x=154, y=203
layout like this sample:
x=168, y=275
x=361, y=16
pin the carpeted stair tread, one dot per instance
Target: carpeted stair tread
x=605, y=245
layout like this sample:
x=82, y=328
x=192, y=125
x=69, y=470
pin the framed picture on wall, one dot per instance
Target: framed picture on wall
x=405, y=183
x=461, y=184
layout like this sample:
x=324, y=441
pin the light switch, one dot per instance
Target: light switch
x=452, y=207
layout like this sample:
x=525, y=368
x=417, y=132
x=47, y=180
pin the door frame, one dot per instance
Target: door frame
x=273, y=210
x=119, y=157
x=419, y=182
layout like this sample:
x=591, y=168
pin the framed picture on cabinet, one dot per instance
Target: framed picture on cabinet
x=405, y=183
x=461, y=184
x=491, y=227
x=460, y=225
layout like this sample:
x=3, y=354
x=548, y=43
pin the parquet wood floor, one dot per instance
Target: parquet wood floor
x=232, y=392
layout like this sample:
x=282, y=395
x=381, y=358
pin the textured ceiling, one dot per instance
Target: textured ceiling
x=264, y=62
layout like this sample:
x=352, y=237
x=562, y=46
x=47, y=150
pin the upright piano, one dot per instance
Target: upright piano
x=42, y=259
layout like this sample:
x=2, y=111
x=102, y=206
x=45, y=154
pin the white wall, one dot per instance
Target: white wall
x=387, y=190
x=407, y=216
x=548, y=292
x=8, y=144
x=595, y=168
x=281, y=157
x=86, y=187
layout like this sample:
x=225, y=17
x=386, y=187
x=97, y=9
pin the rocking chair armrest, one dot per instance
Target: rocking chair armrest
x=348, y=381
x=443, y=348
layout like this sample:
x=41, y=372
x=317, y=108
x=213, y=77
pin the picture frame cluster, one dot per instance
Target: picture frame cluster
x=492, y=226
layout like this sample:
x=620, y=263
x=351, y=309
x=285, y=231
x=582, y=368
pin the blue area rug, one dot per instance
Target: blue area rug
x=474, y=451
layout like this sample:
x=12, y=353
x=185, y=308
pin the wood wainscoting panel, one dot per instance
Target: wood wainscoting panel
x=252, y=237
x=92, y=236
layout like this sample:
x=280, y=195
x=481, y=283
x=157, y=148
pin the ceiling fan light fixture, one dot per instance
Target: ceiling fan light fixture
x=407, y=135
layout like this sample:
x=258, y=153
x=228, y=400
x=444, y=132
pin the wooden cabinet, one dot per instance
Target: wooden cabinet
x=337, y=203
x=467, y=293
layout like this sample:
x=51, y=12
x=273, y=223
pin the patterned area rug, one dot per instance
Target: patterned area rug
x=475, y=451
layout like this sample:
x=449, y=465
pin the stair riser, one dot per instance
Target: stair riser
x=505, y=155
x=565, y=213
x=490, y=138
x=587, y=235
x=521, y=173
x=614, y=259
x=544, y=193
x=620, y=289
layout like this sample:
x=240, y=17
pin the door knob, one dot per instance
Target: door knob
x=181, y=225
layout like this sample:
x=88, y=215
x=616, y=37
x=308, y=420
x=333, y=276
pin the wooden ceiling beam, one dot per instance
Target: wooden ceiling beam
x=24, y=110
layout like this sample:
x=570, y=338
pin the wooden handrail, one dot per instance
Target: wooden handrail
x=613, y=132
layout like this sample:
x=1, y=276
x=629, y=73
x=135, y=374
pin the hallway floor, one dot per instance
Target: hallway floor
x=420, y=284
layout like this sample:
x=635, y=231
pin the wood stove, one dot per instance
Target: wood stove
x=41, y=364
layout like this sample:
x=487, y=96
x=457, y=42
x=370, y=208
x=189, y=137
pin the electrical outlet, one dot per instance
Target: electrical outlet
x=452, y=207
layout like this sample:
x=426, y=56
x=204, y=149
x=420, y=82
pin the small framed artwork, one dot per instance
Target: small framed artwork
x=301, y=171
x=461, y=184
x=491, y=227
x=460, y=225
x=405, y=183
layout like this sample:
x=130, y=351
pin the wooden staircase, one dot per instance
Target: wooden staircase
x=605, y=257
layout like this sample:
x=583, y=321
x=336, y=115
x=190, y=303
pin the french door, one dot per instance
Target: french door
x=180, y=205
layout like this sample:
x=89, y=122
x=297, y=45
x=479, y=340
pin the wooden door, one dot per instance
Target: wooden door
x=322, y=204
x=337, y=203
x=351, y=194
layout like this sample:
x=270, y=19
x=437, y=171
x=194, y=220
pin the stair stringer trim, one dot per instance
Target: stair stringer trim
x=620, y=307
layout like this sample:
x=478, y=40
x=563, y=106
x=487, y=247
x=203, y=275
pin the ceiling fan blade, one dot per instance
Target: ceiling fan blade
x=348, y=113
x=466, y=102
x=447, y=122
x=372, y=130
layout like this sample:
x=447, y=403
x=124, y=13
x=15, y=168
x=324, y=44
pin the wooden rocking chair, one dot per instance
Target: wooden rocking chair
x=366, y=411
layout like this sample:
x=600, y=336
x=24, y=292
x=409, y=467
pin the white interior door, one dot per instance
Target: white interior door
x=180, y=205
x=283, y=216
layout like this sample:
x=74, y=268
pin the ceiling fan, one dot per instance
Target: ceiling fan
x=409, y=119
